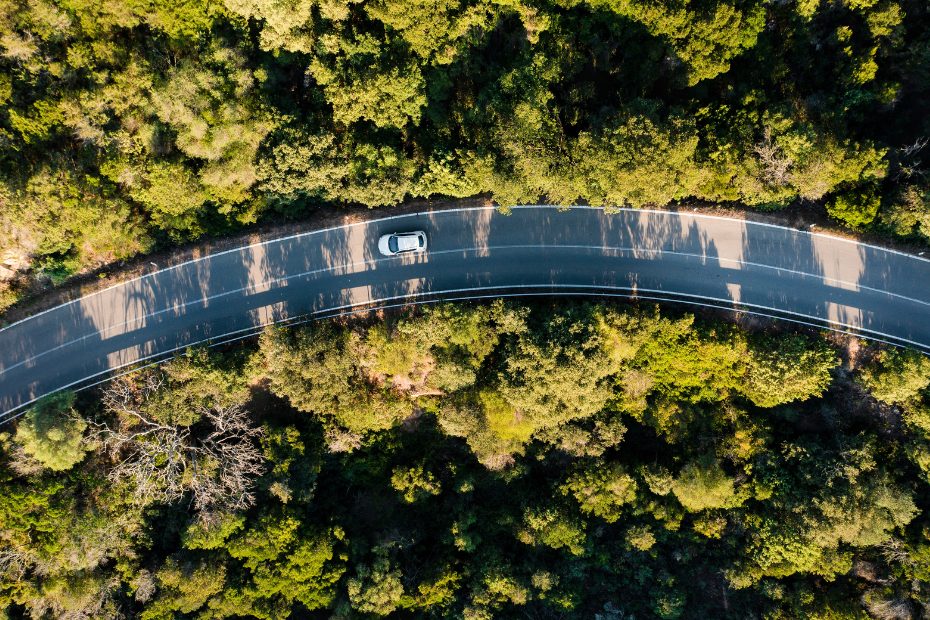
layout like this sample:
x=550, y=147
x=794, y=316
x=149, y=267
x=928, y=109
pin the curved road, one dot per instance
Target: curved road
x=649, y=254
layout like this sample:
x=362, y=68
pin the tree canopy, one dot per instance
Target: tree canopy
x=480, y=461
x=129, y=126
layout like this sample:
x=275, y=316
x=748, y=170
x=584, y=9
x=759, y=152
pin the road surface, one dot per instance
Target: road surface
x=473, y=252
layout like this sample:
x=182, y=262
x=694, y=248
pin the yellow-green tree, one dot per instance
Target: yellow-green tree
x=52, y=432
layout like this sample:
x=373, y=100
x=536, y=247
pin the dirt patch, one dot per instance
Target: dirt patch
x=853, y=347
x=11, y=264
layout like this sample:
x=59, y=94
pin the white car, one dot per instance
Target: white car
x=402, y=243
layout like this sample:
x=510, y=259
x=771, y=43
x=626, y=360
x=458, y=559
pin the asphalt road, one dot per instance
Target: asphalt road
x=473, y=252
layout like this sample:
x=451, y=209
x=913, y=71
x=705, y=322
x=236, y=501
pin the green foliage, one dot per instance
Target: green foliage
x=909, y=213
x=282, y=25
x=127, y=123
x=641, y=537
x=74, y=219
x=787, y=368
x=438, y=593
x=317, y=370
x=207, y=105
x=212, y=534
x=52, y=432
x=184, y=588
x=703, y=484
x=554, y=529
x=414, y=483
x=639, y=162
x=8, y=297
x=704, y=41
x=897, y=376
x=602, y=491
x=286, y=564
x=376, y=589
x=388, y=97
x=855, y=209
x=496, y=495
x=557, y=374
x=191, y=383
x=295, y=467
x=170, y=193
x=304, y=166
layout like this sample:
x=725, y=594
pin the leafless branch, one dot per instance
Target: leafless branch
x=341, y=440
x=910, y=165
x=227, y=461
x=22, y=463
x=776, y=167
x=894, y=552
x=13, y=563
x=913, y=149
x=216, y=460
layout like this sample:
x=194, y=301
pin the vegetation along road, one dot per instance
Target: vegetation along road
x=473, y=252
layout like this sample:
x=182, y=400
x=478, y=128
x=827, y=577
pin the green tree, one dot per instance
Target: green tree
x=284, y=25
x=553, y=528
x=436, y=31
x=898, y=376
x=212, y=534
x=705, y=41
x=207, y=104
x=376, y=589
x=52, y=432
x=286, y=563
x=640, y=537
x=856, y=209
x=315, y=369
x=368, y=76
x=908, y=213
x=414, y=483
x=785, y=369
x=65, y=218
x=638, y=161
x=602, y=490
x=816, y=514
x=304, y=166
x=702, y=484
x=184, y=588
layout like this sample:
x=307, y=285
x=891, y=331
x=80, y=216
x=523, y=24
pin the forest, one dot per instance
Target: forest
x=549, y=460
x=131, y=125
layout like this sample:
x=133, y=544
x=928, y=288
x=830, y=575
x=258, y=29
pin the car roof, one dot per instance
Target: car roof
x=407, y=241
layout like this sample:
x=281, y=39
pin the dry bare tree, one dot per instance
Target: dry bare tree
x=216, y=460
x=776, y=167
x=884, y=608
x=909, y=165
x=342, y=440
x=894, y=552
x=13, y=563
x=22, y=463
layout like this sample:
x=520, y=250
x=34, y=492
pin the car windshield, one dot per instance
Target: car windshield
x=392, y=244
